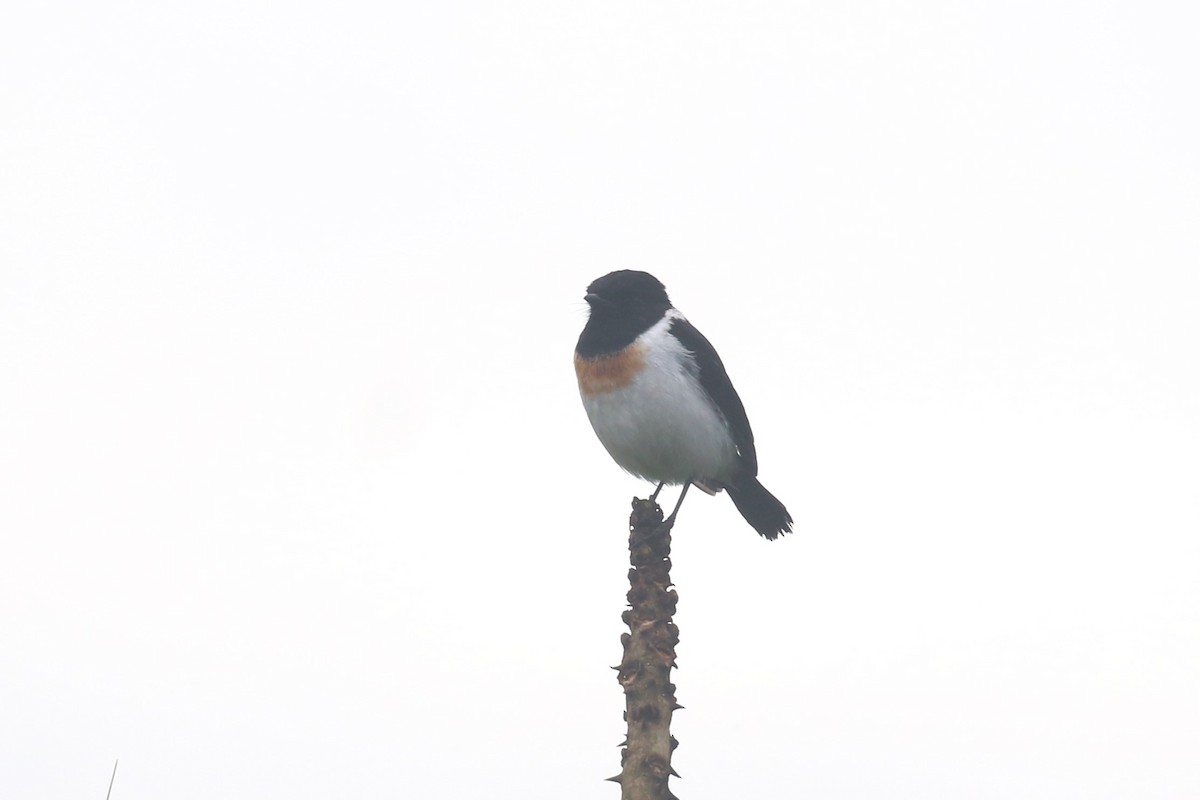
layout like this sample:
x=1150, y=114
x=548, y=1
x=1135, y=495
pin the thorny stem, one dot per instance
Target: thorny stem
x=645, y=671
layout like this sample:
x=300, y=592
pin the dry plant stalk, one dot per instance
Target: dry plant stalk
x=645, y=671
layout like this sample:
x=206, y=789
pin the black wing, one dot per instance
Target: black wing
x=715, y=381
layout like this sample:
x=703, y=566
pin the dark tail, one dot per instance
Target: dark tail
x=760, y=508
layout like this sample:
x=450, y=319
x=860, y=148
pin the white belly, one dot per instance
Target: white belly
x=661, y=426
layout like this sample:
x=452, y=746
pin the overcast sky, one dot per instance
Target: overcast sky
x=297, y=496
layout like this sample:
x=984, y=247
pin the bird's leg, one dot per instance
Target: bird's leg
x=654, y=497
x=670, y=521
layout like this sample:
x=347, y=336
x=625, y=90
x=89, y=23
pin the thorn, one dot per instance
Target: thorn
x=614, y=779
x=676, y=774
x=677, y=707
x=624, y=742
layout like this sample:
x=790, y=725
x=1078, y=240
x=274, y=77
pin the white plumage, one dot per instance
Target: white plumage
x=661, y=427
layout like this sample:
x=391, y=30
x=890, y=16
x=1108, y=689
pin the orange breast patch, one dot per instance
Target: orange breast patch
x=609, y=373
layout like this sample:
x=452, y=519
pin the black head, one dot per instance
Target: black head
x=627, y=290
x=623, y=305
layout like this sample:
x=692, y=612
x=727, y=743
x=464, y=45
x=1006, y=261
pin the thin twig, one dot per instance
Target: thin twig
x=112, y=779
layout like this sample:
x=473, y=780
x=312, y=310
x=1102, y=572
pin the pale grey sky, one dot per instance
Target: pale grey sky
x=298, y=498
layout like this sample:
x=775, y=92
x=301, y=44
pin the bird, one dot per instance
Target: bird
x=661, y=403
